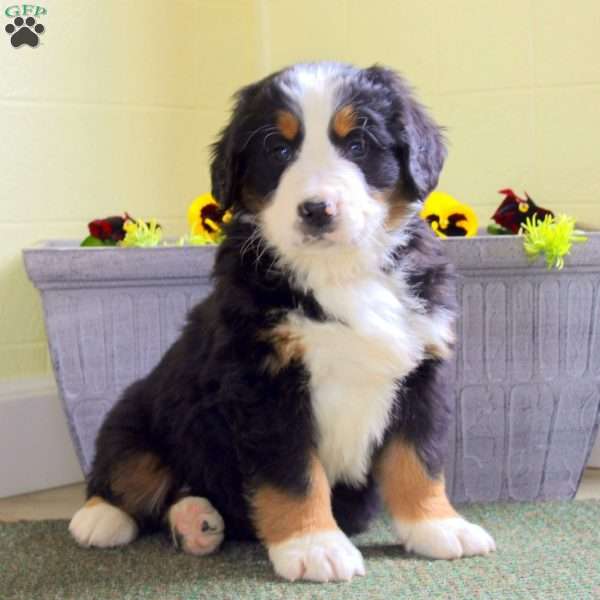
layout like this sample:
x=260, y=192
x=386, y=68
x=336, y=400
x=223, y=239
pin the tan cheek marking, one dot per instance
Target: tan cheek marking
x=397, y=208
x=279, y=516
x=344, y=121
x=142, y=483
x=253, y=201
x=287, y=347
x=407, y=490
x=397, y=211
x=288, y=124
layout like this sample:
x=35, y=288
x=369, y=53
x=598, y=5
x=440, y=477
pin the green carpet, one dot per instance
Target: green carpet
x=545, y=551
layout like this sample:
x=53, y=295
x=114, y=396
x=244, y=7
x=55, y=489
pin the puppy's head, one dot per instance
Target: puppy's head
x=327, y=158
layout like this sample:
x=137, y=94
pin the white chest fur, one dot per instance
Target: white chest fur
x=355, y=364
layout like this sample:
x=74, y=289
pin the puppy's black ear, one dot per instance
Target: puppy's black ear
x=226, y=169
x=222, y=169
x=422, y=150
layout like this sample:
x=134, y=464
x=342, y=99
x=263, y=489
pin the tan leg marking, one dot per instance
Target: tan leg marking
x=287, y=347
x=93, y=501
x=424, y=519
x=344, y=121
x=301, y=535
x=142, y=482
x=288, y=124
x=279, y=516
x=408, y=491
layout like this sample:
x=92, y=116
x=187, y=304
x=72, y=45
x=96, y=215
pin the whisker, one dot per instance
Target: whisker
x=269, y=128
x=250, y=243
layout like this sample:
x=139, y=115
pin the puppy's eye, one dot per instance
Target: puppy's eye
x=356, y=147
x=280, y=152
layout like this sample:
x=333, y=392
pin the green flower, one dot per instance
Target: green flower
x=552, y=237
x=139, y=234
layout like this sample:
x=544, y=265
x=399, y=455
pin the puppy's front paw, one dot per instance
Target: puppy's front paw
x=322, y=556
x=196, y=526
x=445, y=538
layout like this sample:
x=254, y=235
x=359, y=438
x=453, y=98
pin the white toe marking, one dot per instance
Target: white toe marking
x=445, y=538
x=198, y=525
x=102, y=525
x=322, y=556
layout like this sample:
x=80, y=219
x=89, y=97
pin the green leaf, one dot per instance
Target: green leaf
x=495, y=229
x=90, y=240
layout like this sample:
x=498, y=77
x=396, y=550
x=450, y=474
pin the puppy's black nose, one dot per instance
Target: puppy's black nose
x=316, y=214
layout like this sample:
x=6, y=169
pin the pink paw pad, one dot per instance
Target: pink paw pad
x=196, y=526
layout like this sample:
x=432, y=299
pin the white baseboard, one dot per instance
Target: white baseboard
x=595, y=456
x=36, y=451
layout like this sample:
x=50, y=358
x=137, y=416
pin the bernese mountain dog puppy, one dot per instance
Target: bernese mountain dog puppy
x=309, y=386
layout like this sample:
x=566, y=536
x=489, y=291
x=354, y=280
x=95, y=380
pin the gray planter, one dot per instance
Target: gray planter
x=527, y=371
x=526, y=379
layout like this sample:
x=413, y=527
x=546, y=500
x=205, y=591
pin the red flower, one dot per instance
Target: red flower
x=108, y=229
x=514, y=211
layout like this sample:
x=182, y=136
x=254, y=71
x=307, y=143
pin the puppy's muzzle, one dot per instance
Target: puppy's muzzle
x=317, y=216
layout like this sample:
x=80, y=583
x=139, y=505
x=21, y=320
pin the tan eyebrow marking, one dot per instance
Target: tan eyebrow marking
x=288, y=124
x=344, y=120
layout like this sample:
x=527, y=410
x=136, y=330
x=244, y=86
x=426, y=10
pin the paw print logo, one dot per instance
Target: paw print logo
x=24, y=32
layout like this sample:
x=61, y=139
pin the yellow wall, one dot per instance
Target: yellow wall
x=116, y=108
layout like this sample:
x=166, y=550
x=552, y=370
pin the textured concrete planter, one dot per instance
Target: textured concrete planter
x=527, y=371
x=525, y=382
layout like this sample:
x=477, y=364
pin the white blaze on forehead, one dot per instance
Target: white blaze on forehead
x=319, y=81
x=314, y=89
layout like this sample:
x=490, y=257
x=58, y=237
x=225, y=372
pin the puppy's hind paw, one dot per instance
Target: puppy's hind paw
x=103, y=525
x=196, y=526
